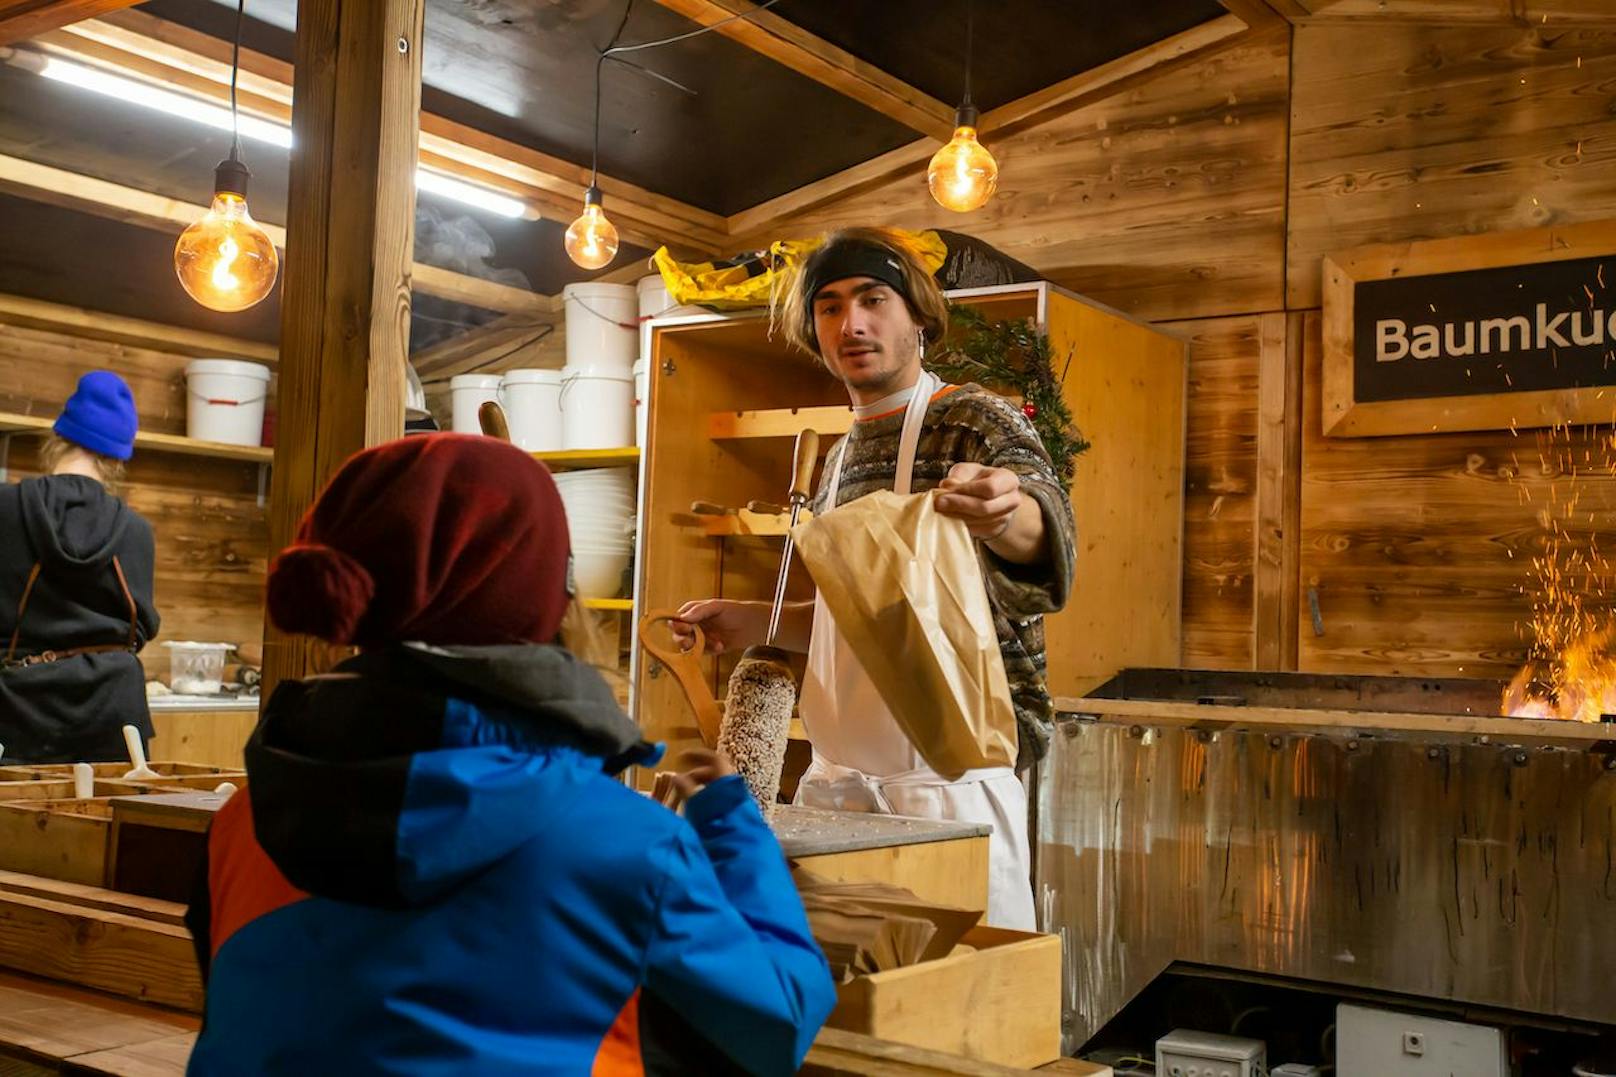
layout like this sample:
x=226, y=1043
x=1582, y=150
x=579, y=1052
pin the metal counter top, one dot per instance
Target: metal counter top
x=817, y=831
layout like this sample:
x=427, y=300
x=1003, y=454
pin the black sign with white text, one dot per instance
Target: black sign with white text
x=1549, y=325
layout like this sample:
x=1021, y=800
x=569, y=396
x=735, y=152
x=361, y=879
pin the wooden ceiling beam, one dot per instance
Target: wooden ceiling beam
x=192, y=62
x=23, y=19
x=1115, y=76
x=30, y=313
x=1095, y=84
x=1555, y=14
x=42, y=183
x=790, y=46
x=1257, y=14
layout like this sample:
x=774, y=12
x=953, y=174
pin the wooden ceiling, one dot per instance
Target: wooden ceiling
x=791, y=103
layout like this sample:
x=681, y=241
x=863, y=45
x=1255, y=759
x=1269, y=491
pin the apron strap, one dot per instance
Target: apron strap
x=28, y=590
x=22, y=607
x=134, y=612
x=914, y=417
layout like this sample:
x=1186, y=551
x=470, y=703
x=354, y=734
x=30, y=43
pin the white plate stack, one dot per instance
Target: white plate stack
x=600, y=510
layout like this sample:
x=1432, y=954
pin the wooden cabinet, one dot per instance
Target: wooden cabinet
x=727, y=398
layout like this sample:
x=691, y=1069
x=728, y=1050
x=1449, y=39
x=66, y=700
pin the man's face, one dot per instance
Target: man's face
x=867, y=336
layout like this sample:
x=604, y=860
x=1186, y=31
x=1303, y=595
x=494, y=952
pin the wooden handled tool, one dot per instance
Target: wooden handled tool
x=802, y=477
x=710, y=508
x=686, y=666
x=491, y=417
x=765, y=508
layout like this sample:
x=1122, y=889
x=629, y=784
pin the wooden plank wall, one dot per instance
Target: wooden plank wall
x=211, y=532
x=1205, y=199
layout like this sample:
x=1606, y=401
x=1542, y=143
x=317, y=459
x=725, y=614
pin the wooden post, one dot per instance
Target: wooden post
x=345, y=306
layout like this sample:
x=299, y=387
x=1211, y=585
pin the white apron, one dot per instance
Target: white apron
x=863, y=760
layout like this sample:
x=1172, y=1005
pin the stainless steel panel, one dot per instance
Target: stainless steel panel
x=1456, y=872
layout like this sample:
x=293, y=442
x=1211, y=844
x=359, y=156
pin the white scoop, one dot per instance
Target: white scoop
x=137, y=755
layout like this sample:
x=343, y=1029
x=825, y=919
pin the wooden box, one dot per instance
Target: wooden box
x=1000, y=1002
x=45, y=832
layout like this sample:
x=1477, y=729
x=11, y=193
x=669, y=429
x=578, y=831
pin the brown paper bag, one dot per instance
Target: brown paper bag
x=906, y=589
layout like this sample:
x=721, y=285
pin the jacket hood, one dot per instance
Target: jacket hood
x=71, y=520
x=405, y=771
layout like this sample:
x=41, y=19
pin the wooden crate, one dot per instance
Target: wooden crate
x=1000, y=1002
x=56, y=839
x=44, y=831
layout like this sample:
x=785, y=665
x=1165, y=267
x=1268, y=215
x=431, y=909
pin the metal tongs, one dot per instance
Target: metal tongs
x=802, y=476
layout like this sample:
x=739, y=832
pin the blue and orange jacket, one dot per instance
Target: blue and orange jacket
x=434, y=872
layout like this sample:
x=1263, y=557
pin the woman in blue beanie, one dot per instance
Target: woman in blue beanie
x=76, y=569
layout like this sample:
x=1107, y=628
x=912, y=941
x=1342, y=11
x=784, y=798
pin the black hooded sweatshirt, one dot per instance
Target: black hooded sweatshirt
x=73, y=708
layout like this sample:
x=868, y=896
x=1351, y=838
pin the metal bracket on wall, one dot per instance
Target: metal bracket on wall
x=263, y=484
x=1313, y=608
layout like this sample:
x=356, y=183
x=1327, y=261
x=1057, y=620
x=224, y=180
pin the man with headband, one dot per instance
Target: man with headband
x=865, y=304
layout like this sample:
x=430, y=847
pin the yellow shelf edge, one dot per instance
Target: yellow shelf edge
x=608, y=603
x=573, y=459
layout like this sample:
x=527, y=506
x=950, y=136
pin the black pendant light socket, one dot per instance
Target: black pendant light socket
x=231, y=177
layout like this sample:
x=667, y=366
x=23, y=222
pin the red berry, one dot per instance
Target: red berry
x=1030, y=410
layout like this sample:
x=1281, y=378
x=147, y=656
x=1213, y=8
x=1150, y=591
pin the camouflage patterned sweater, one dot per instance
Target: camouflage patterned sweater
x=970, y=424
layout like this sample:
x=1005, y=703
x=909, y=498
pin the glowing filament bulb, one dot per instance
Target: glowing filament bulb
x=591, y=239
x=963, y=174
x=225, y=261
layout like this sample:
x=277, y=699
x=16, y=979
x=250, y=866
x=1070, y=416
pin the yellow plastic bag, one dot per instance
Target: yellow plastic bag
x=906, y=589
x=748, y=280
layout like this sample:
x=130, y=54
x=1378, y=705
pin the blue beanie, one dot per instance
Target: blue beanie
x=100, y=416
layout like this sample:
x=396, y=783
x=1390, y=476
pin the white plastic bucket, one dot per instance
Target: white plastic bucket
x=532, y=402
x=597, y=412
x=603, y=323
x=655, y=302
x=225, y=400
x=469, y=392
x=642, y=399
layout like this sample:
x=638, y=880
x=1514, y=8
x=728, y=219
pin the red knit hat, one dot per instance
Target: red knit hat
x=441, y=538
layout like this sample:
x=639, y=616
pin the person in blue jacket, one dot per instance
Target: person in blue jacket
x=433, y=869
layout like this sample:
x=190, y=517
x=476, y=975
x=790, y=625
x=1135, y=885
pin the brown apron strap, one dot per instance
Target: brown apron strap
x=134, y=613
x=22, y=607
x=128, y=596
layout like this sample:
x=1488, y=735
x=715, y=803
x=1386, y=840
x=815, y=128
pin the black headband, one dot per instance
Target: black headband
x=856, y=259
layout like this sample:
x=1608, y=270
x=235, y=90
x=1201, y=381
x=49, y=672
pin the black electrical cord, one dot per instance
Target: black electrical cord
x=613, y=49
x=970, y=20
x=235, y=71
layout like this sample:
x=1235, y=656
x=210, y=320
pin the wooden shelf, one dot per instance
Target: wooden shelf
x=608, y=603
x=11, y=423
x=831, y=419
x=578, y=459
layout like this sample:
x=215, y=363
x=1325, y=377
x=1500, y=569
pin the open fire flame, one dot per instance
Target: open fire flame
x=1570, y=671
x=1578, y=685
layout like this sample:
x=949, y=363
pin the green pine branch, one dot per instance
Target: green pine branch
x=1013, y=357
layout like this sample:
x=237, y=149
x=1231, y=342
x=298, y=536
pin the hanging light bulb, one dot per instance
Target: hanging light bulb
x=591, y=239
x=963, y=175
x=225, y=261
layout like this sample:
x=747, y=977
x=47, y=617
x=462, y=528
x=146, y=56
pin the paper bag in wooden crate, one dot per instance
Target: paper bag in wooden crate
x=906, y=589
